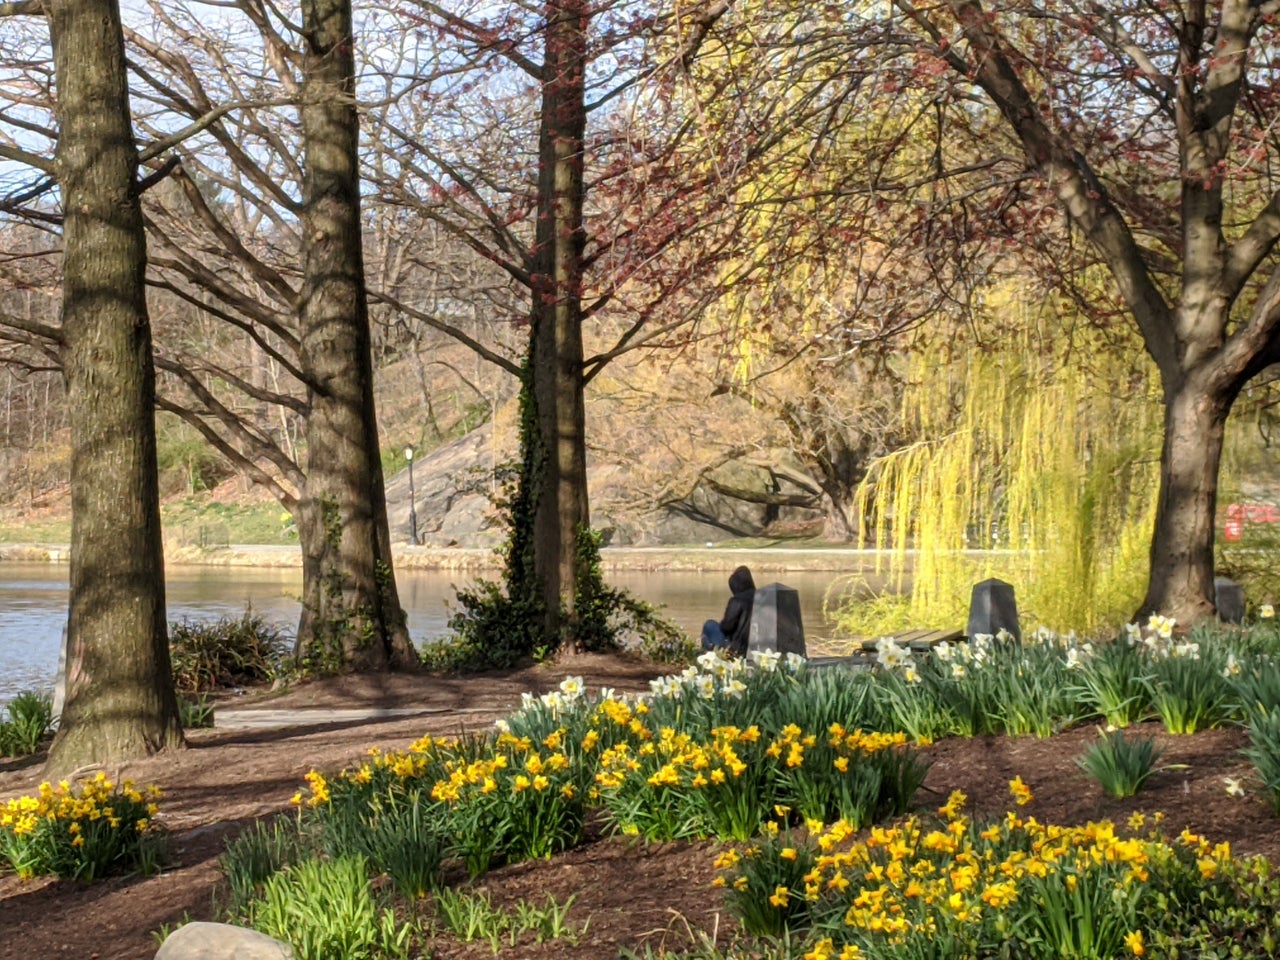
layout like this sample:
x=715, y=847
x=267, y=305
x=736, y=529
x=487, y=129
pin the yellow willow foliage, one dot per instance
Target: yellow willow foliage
x=1027, y=469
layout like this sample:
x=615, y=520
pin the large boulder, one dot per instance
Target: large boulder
x=221, y=941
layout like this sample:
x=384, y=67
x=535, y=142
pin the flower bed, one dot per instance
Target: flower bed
x=794, y=763
x=83, y=831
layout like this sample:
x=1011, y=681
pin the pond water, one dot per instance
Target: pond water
x=33, y=605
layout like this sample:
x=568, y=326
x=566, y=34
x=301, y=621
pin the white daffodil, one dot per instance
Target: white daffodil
x=794, y=662
x=1266, y=611
x=1132, y=633
x=1234, y=787
x=957, y=671
x=1232, y=669
x=1074, y=660
x=572, y=688
x=890, y=655
x=710, y=662
x=766, y=660
x=943, y=651
x=502, y=725
x=1161, y=626
x=734, y=688
x=665, y=686
x=554, y=700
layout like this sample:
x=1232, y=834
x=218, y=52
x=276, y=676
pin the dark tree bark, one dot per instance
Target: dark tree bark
x=556, y=316
x=120, y=699
x=350, y=608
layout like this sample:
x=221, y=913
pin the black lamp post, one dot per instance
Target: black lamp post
x=413, y=513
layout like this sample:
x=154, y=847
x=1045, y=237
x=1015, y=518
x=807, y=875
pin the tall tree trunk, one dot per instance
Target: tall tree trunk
x=120, y=701
x=1181, y=579
x=350, y=601
x=556, y=315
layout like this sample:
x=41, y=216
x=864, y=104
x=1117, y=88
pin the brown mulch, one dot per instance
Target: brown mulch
x=627, y=894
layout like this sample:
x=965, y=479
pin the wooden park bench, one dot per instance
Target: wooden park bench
x=864, y=651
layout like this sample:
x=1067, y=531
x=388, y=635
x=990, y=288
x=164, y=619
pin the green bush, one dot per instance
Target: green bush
x=1119, y=764
x=211, y=654
x=30, y=716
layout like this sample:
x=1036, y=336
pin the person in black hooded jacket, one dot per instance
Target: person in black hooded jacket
x=736, y=623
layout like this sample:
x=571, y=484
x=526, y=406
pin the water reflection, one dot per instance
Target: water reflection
x=33, y=604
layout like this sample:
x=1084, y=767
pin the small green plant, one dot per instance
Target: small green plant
x=1120, y=764
x=1264, y=753
x=1111, y=679
x=768, y=892
x=30, y=715
x=1256, y=685
x=162, y=933
x=259, y=853
x=472, y=916
x=327, y=910
x=548, y=921
x=196, y=712
x=1188, y=689
x=226, y=652
x=404, y=837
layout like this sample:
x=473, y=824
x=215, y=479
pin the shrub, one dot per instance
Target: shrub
x=226, y=652
x=1119, y=764
x=257, y=854
x=30, y=715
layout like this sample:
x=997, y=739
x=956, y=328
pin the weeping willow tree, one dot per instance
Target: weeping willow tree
x=1029, y=466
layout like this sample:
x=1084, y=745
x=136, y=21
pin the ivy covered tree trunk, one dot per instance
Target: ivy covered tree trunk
x=120, y=701
x=351, y=615
x=556, y=362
